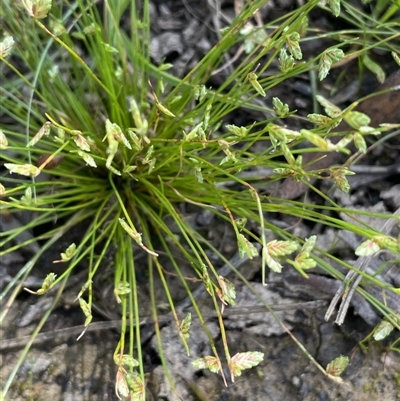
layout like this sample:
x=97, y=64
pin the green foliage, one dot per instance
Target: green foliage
x=338, y=365
x=113, y=140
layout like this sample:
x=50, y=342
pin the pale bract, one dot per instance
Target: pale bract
x=28, y=170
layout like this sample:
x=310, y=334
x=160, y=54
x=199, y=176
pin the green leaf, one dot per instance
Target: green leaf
x=375, y=68
x=69, y=253
x=241, y=223
x=227, y=292
x=367, y=248
x=338, y=174
x=131, y=230
x=86, y=311
x=286, y=61
x=330, y=109
x=321, y=120
x=356, y=119
x=6, y=46
x=239, y=131
x=360, y=143
x=246, y=247
x=47, y=283
x=137, y=386
x=338, y=365
x=129, y=361
x=288, y=155
x=252, y=77
x=208, y=362
x=329, y=56
x=279, y=135
x=110, y=49
x=87, y=158
x=185, y=326
x=199, y=92
x=334, y=5
x=27, y=198
x=303, y=260
x=37, y=9
x=244, y=360
x=28, y=170
x=317, y=140
x=82, y=143
x=114, y=131
x=396, y=58
x=293, y=45
x=122, y=288
x=163, y=109
x=271, y=262
x=281, y=109
x=91, y=29
x=383, y=329
x=281, y=248
x=3, y=140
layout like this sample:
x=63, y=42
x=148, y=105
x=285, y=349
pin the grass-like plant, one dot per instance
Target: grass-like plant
x=99, y=134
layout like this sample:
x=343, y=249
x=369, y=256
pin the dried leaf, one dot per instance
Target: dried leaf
x=121, y=385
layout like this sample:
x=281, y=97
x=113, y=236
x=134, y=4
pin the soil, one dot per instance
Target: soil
x=60, y=368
